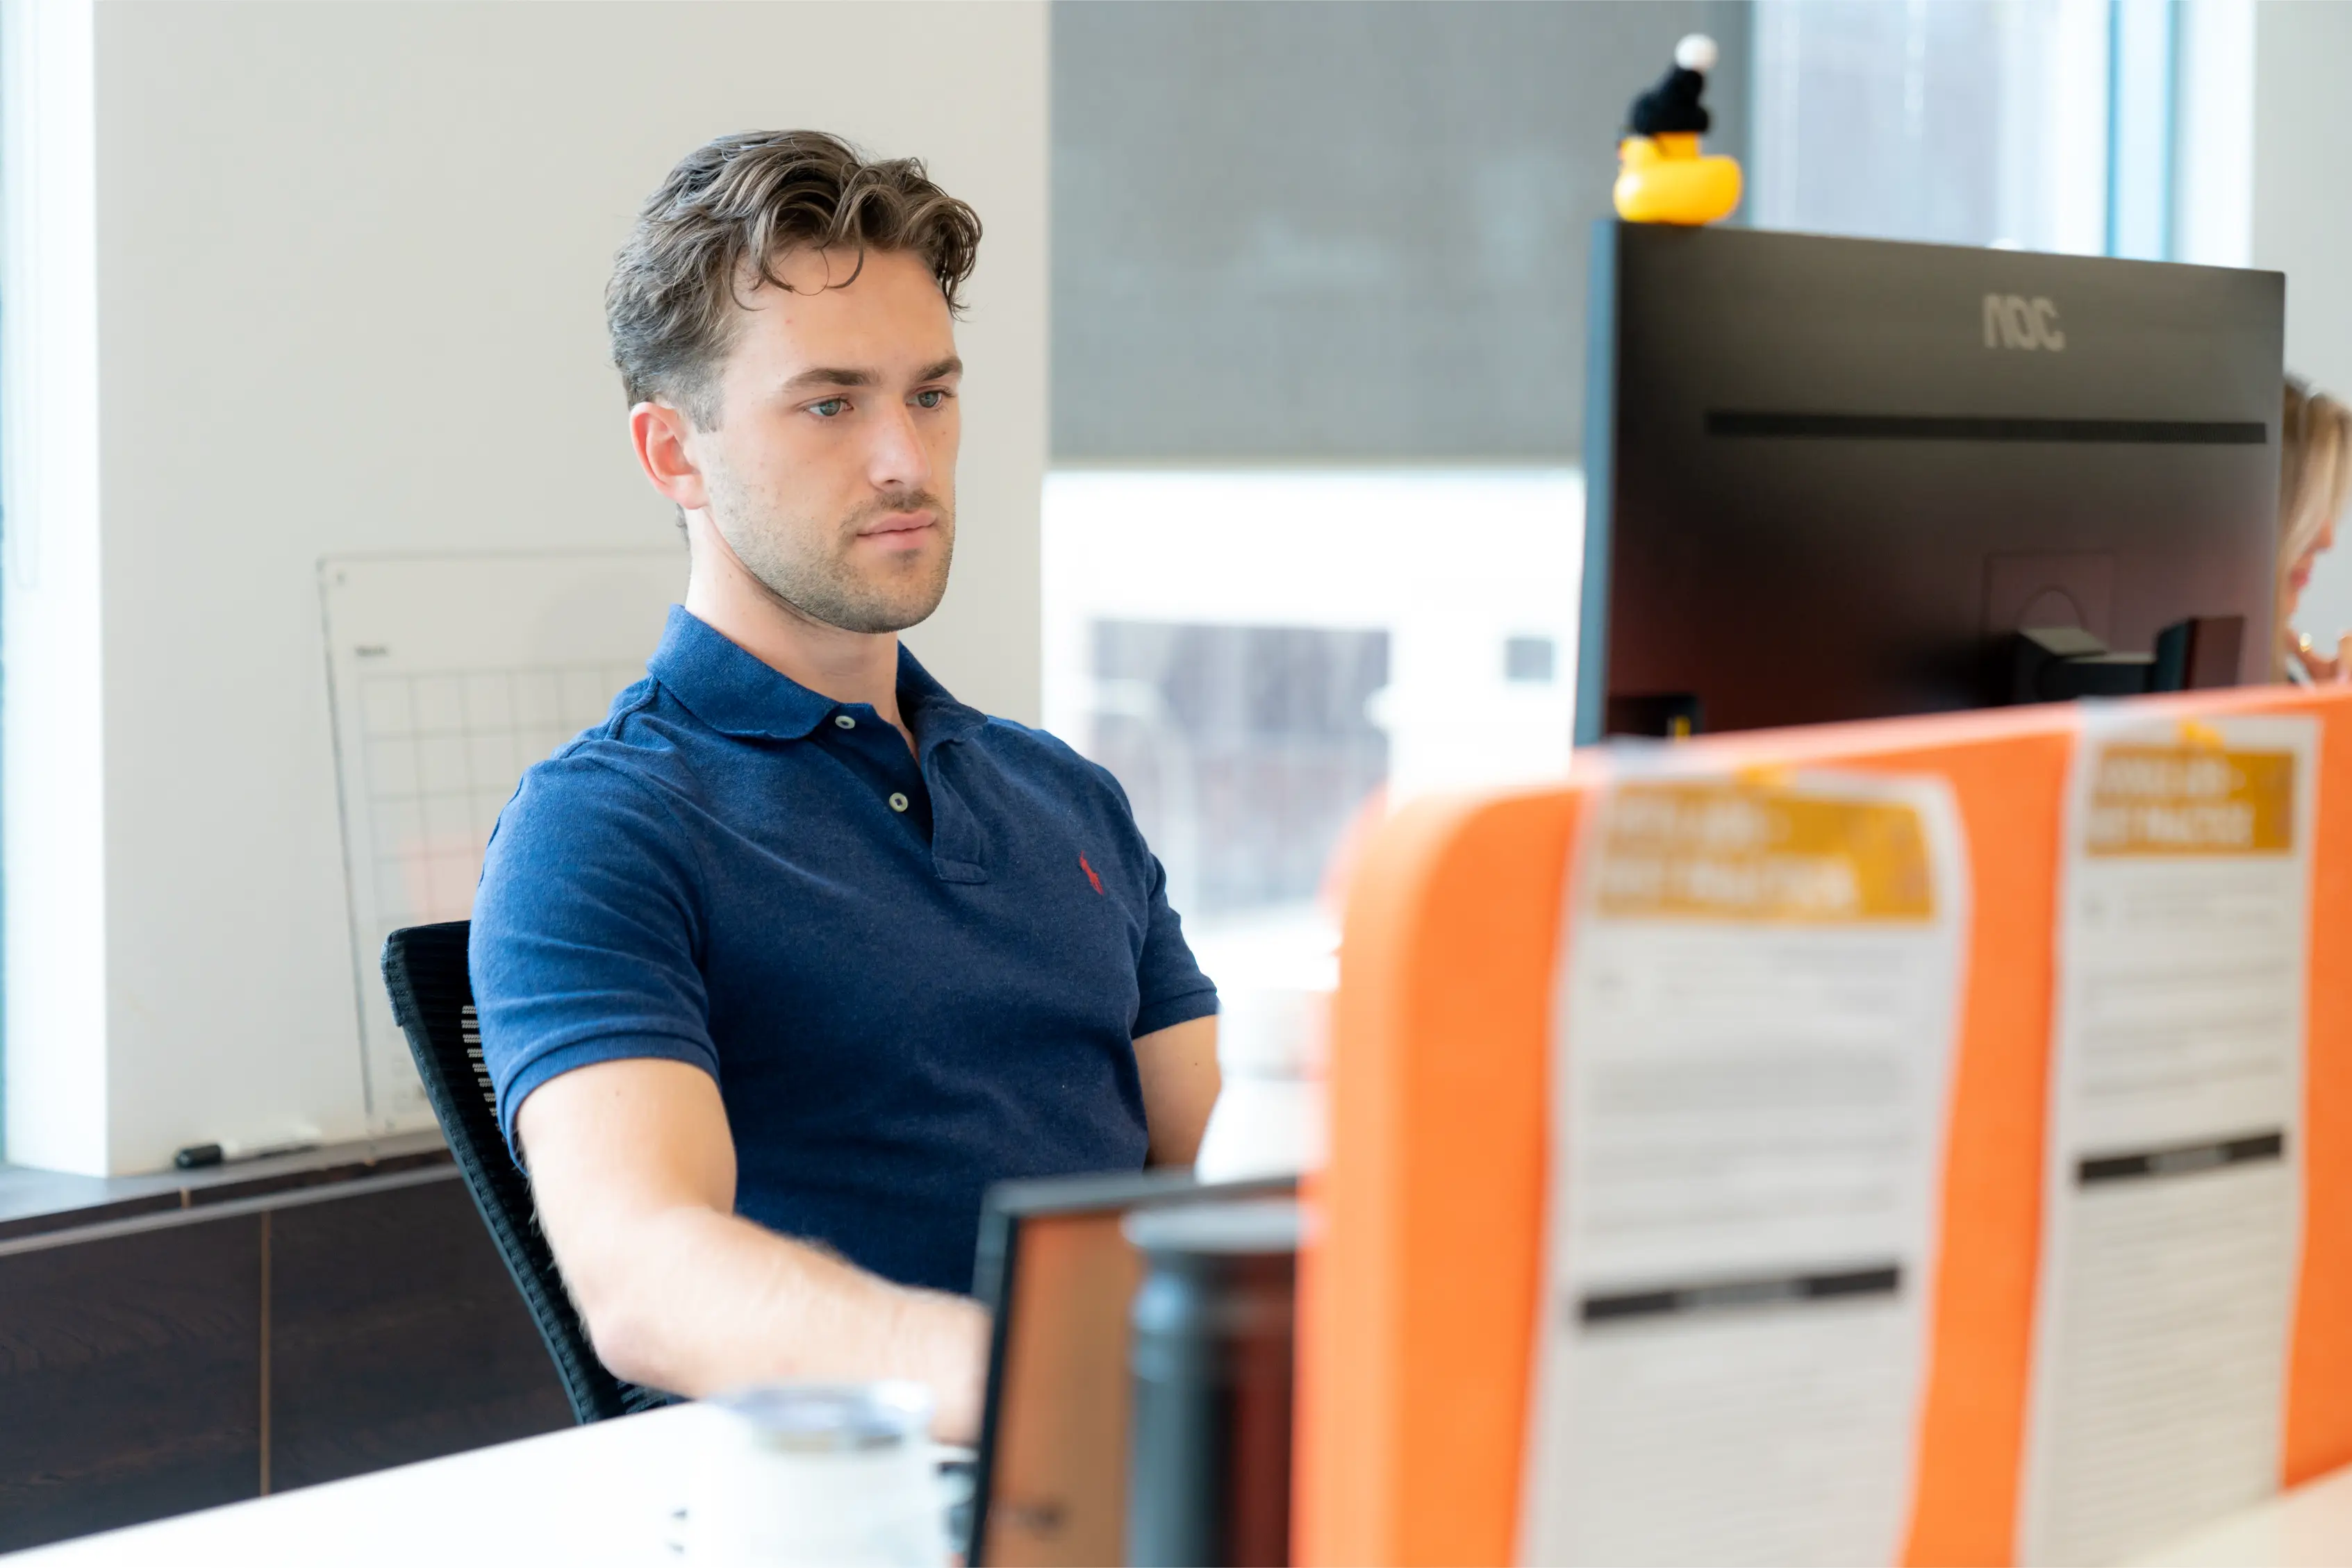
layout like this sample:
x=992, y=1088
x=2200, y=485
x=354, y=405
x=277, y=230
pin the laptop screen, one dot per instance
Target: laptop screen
x=1050, y=1483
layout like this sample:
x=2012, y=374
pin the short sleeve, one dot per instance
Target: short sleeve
x=1169, y=981
x=585, y=933
x=1170, y=987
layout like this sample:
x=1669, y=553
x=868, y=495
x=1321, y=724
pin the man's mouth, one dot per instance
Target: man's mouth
x=906, y=526
x=900, y=533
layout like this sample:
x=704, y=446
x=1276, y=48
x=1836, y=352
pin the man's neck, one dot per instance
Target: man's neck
x=847, y=666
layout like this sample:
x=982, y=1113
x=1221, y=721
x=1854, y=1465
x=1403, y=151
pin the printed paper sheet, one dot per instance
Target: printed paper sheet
x=2172, y=1209
x=1754, y=1040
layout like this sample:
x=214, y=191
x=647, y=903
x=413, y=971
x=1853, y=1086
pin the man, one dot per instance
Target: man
x=786, y=961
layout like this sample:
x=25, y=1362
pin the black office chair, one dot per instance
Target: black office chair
x=433, y=998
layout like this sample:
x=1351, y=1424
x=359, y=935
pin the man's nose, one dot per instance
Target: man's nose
x=898, y=459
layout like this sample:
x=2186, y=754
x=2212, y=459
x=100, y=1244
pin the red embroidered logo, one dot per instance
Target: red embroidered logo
x=1090, y=874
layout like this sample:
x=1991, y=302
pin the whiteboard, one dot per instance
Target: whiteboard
x=449, y=676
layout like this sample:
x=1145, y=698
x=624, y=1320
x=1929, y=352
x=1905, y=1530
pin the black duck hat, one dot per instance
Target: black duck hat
x=1673, y=104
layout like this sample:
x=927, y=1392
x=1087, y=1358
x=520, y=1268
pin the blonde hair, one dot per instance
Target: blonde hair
x=2315, y=474
x=2314, y=468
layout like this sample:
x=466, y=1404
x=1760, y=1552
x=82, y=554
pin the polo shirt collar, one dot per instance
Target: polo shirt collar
x=735, y=693
x=728, y=689
x=928, y=710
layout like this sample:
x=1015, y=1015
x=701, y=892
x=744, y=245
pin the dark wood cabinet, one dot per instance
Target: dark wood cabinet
x=396, y=1335
x=182, y=1359
x=129, y=1378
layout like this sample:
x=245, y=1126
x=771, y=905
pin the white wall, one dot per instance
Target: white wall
x=351, y=261
x=2302, y=222
x=2302, y=177
x=52, y=751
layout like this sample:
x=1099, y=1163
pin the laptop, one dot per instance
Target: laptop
x=1050, y=1481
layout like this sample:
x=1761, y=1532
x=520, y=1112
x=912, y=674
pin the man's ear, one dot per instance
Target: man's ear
x=659, y=433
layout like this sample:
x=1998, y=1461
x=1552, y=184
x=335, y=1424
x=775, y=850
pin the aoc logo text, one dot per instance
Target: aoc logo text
x=2013, y=321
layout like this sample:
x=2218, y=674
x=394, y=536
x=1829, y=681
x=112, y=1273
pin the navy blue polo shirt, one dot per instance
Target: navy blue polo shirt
x=909, y=976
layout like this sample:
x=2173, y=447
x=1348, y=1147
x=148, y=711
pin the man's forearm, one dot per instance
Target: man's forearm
x=709, y=1301
x=634, y=1173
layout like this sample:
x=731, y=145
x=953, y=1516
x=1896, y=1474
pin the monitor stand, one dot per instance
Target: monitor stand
x=2058, y=663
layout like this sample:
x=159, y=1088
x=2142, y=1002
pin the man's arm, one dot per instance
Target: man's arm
x=632, y=1166
x=1179, y=1068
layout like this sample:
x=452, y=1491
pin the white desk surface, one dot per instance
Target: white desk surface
x=591, y=1496
x=602, y=1495
x=2310, y=1527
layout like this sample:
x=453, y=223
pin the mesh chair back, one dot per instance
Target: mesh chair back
x=432, y=998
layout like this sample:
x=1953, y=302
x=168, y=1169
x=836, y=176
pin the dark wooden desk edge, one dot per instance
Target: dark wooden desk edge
x=38, y=1202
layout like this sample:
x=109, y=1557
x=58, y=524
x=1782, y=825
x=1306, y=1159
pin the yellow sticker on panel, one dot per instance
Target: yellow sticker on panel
x=2191, y=800
x=1737, y=849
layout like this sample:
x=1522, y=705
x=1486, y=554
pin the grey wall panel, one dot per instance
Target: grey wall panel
x=1341, y=229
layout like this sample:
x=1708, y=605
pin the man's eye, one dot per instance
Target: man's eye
x=930, y=397
x=831, y=408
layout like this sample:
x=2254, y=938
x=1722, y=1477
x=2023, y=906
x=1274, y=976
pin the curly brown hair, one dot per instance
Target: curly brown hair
x=718, y=223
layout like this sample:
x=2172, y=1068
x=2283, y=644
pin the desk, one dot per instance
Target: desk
x=587, y=1497
x=602, y=1497
x=2310, y=1527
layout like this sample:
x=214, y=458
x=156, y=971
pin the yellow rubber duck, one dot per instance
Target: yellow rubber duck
x=1663, y=177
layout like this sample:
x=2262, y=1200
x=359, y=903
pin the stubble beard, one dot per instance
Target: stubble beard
x=806, y=564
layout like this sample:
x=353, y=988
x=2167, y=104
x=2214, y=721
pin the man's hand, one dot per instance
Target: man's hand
x=634, y=1170
x=1179, y=1068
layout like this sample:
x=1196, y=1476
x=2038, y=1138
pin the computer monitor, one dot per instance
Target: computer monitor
x=1831, y=478
x=1050, y=1486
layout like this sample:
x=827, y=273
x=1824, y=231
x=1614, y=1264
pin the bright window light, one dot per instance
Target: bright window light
x=1267, y=658
x=1982, y=123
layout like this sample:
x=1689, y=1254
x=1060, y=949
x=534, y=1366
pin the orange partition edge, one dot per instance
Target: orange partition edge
x=1419, y=1287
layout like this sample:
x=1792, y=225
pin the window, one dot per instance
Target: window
x=2035, y=124
x=1982, y=123
x=1263, y=657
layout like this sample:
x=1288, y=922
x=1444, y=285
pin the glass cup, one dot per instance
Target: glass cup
x=810, y=1473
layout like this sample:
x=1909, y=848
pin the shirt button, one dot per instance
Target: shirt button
x=845, y=721
x=897, y=801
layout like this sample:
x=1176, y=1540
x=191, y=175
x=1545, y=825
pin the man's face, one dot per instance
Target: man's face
x=831, y=473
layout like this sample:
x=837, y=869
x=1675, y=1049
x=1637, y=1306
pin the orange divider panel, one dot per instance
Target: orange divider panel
x=1420, y=1286
x=2319, y=1368
x=1419, y=1290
